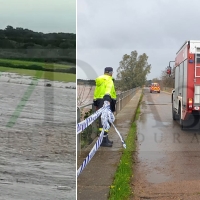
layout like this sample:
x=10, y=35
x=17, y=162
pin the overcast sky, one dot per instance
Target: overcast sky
x=108, y=29
x=39, y=15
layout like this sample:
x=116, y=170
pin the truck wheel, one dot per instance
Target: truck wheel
x=180, y=120
x=181, y=124
x=173, y=113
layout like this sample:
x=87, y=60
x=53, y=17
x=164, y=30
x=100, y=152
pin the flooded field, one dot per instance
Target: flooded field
x=27, y=80
x=37, y=141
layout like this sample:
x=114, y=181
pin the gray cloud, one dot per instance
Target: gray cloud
x=44, y=15
x=109, y=29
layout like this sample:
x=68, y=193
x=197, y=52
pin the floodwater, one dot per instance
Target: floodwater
x=27, y=80
x=37, y=141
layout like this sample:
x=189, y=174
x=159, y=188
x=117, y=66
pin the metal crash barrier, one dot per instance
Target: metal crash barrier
x=89, y=134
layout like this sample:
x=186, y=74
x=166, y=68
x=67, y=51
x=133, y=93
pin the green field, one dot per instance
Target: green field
x=53, y=76
x=28, y=63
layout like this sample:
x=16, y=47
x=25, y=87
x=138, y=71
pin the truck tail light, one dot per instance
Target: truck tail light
x=190, y=103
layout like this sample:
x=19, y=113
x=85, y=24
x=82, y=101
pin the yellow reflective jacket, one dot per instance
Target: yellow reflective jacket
x=104, y=85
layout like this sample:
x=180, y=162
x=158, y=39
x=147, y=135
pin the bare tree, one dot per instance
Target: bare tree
x=166, y=80
x=84, y=93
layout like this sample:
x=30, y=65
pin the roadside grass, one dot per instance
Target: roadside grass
x=28, y=63
x=121, y=187
x=166, y=89
x=52, y=76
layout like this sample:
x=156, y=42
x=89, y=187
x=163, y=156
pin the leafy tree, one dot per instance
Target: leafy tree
x=132, y=71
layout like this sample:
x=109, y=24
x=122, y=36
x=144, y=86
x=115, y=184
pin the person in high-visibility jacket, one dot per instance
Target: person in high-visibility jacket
x=105, y=91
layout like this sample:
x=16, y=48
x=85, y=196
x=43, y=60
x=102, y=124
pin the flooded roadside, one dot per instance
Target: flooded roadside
x=37, y=141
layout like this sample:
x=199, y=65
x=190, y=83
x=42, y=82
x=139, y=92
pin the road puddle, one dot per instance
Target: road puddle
x=150, y=139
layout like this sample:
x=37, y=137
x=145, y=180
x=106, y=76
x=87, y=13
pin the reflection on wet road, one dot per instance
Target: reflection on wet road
x=37, y=152
x=167, y=156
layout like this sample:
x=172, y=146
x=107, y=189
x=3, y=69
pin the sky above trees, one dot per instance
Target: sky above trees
x=42, y=16
x=107, y=30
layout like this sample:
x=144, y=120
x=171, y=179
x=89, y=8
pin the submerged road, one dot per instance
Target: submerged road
x=37, y=142
x=168, y=158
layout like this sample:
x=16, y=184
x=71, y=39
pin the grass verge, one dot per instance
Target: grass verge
x=166, y=89
x=121, y=186
x=52, y=76
x=27, y=63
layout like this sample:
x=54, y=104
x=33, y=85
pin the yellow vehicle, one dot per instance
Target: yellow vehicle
x=155, y=87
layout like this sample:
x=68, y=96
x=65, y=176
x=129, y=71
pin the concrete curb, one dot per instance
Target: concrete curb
x=96, y=178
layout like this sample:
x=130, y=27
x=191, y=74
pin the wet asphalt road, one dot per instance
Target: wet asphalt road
x=37, y=142
x=168, y=158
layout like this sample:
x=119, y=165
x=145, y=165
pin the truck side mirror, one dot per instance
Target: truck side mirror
x=169, y=70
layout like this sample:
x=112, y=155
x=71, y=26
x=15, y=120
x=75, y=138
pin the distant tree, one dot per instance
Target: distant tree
x=148, y=82
x=9, y=28
x=132, y=71
x=6, y=44
x=166, y=80
x=156, y=80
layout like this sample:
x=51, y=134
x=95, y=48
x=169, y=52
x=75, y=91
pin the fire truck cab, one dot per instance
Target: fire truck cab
x=186, y=94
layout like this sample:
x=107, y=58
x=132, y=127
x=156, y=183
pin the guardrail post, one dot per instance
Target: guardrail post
x=117, y=105
x=120, y=102
x=78, y=142
x=94, y=125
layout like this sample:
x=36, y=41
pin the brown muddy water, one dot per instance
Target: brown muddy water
x=37, y=142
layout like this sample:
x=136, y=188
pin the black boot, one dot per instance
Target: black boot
x=109, y=141
x=108, y=138
x=105, y=142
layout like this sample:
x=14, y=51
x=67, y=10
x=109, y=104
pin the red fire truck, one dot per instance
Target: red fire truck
x=186, y=95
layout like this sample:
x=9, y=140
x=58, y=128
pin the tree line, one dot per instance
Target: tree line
x=25, y=44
